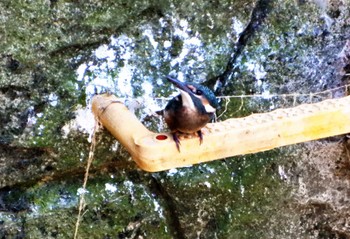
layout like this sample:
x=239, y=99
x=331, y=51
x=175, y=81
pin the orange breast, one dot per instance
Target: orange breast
x=186, y=120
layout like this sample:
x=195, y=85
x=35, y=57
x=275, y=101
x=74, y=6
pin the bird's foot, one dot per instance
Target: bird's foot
x=177, y=141
x=200, y=135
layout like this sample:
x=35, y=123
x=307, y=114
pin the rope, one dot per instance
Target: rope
x=86, y=176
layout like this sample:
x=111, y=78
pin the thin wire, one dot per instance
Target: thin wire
x=287, y=95
x=294, y=95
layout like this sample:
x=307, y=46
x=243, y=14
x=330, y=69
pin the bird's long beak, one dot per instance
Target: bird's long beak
x=179, y=84
x=185, y=92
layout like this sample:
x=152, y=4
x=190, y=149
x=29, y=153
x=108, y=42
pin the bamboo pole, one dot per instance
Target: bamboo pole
x=258, y=132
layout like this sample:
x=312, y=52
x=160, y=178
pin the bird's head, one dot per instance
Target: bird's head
x=196, y=96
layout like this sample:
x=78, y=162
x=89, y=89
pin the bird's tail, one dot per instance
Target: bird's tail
x=160, y=112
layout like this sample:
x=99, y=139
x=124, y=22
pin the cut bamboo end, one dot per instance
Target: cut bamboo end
x=237, y=136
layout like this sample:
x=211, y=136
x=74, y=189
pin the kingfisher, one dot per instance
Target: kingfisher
x=189, y=111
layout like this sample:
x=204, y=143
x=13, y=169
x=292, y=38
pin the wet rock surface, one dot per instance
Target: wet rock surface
x=57, y=54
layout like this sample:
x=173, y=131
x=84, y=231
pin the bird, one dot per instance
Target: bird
x=189, y=111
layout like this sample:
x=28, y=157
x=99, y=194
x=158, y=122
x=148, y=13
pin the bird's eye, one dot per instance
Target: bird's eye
x=199, y=92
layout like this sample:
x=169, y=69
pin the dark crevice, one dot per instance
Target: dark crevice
x=151, y=12
x=27, y=160
x=259, y=14
x=78, y=47
x=169, y=207
x=163, y=197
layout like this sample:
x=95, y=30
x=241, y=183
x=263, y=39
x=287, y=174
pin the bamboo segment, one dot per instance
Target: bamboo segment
x=120, y=122
x=258, y=132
